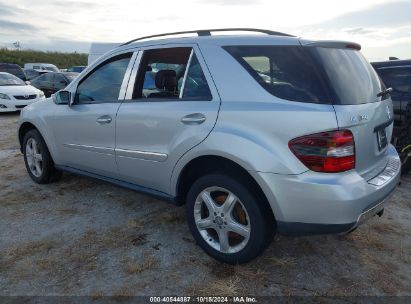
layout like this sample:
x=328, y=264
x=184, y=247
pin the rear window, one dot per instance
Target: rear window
x=351, y=77
x=311, y=74
x=287, y=72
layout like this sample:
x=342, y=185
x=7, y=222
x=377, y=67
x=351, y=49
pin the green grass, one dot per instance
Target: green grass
x=61, y=60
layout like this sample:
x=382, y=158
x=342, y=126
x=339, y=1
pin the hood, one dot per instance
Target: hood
x=19, y=90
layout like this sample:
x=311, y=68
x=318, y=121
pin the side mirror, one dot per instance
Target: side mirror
x=27, y=82
x=63, y=97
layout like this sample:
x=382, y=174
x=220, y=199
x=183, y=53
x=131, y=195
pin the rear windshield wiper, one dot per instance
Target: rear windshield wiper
x=385, y=92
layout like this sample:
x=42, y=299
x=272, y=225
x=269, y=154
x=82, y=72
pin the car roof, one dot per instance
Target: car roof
x=6, y=63
x=216, y=40
x=229, y=40
x=392, y=63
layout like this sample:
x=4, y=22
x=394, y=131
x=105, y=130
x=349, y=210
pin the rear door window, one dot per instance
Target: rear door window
x=163, y=74
x=195, y=83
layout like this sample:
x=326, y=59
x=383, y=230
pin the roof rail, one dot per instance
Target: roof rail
x=208, y=33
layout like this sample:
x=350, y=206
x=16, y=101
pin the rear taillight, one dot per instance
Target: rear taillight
x=332, y=151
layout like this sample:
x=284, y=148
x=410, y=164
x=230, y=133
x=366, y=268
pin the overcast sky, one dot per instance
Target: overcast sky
x=382, y=27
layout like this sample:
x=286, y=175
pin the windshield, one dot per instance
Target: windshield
x=10, y=80
x=49, y=68
x=352, y=79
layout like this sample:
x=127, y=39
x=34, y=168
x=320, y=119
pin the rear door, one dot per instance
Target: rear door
x=171, y=105
x=355, y=86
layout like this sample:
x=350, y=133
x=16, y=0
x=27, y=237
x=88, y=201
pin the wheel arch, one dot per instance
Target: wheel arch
x=207, y=164
x=23, y=129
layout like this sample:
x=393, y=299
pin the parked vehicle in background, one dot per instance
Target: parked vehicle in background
x=304, y=149
x=50, y=83
x=31, y=74
x=76, y=69
x=98, y=49
x=13, y=69
x=15, y=94
x=48, y=67
x=396, y=74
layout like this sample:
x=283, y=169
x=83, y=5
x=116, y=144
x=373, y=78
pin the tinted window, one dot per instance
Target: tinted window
x=15, y=70
x=195, y=85
x=104, y=83
x=161, y=73
x=397, y=78
x=47, y=77
x=351, y=78
x=287, y=72
x=59, y=77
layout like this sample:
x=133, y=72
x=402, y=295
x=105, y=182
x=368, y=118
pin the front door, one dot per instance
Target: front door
x=85, y=132
x=171, y=105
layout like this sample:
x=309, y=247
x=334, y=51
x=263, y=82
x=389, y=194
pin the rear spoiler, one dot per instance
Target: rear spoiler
x=334, y=44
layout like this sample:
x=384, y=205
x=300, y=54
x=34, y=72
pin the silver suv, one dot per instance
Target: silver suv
x=255, y=134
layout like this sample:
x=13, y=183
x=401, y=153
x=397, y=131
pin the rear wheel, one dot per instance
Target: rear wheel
x=37, y=158
x=228, y=221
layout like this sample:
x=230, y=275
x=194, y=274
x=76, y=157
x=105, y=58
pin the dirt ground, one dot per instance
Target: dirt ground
x=85, y=237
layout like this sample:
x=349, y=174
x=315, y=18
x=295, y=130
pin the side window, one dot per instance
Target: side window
x=161, y=73
x=397, y=78
x=104, y=82
x=195, y=85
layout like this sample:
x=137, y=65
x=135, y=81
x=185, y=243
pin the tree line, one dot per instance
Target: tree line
x=61, y=60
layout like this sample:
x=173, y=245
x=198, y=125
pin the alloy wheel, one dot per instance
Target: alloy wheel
x=34, y=157
x=222, y=220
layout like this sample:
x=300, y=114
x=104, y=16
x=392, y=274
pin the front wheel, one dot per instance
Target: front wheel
x=37, y=158
x=227, y=220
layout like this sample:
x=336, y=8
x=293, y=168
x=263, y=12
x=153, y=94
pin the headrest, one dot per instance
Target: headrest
x=166, y=80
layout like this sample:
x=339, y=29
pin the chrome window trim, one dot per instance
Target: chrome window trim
x=133, y=76
x=126, y=78
x=185, y=74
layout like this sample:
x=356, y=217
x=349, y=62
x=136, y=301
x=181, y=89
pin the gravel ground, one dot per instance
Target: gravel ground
x=80, y=236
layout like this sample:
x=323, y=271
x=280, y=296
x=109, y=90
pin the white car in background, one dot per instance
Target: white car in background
x=47, y=67
x=15, y=94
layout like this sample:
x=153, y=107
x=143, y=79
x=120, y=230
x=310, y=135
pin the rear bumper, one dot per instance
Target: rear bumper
x=318, y=203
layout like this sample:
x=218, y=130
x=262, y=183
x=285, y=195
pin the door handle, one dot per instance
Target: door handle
x=105, y=119
x=193, y=119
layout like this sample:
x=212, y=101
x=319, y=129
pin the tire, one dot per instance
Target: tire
x=248, y=212
x=37, y=158
x=406, y=165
